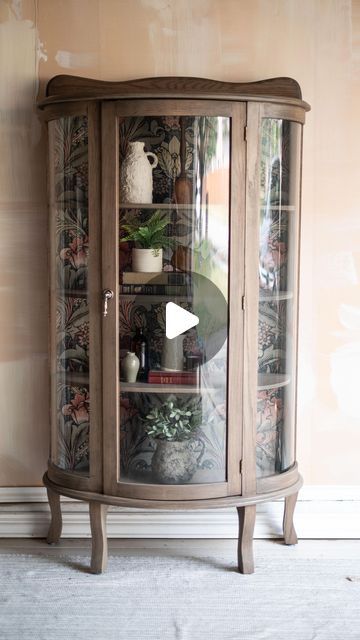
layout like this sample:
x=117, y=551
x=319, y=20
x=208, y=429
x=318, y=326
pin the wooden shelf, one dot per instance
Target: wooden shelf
x=272, y=381
x=72, y=376
x=280, y=207
x=153, y=205
x=172, y=205
x=156, y=296
x=75, y=293
x=265, y=381
x=273, y=296
x=146, y=387
x=201, y=476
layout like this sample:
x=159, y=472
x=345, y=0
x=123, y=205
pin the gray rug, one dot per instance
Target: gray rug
x=295, y=594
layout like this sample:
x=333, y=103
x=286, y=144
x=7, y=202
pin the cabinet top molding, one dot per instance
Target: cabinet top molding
x=64, y=88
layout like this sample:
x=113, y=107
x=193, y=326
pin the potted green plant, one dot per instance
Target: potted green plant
x=149, y=238
x=174, y=427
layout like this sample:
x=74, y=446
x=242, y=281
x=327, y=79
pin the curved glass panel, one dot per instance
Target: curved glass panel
x=278, y=255
x=70, y=251
x=174, y=186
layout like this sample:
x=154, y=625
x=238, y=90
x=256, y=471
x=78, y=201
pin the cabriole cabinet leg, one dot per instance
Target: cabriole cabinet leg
x=55, y=528
x=98, y=513
x=290, y=536
x=247, y=517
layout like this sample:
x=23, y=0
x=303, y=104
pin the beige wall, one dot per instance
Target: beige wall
x=315, y=41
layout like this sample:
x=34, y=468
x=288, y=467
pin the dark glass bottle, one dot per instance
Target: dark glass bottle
x=140, y=346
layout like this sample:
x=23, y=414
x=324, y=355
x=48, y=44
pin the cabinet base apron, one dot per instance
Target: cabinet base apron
x=246, y=508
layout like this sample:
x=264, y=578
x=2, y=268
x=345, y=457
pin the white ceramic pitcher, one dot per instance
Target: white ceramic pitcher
x=136, y=181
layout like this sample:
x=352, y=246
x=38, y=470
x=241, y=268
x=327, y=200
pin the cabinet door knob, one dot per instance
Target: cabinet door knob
x=107, y=295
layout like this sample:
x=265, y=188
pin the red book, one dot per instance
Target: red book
x=172, y=377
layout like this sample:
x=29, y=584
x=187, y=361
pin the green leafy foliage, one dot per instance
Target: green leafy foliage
x=151, y=234
x=172, y=421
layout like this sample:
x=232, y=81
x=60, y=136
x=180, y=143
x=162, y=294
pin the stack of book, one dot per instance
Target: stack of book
x=159, y=277
x=155, y=289
x=164, y=283
x=155, y=376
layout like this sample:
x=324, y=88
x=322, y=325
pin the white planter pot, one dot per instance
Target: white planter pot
x=144, y=260
x=174, y=462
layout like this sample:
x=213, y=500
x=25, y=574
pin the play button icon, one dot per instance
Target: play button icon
x=178, y=320
x=177, y=303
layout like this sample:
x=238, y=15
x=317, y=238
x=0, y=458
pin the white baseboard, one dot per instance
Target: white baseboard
x=321, y=512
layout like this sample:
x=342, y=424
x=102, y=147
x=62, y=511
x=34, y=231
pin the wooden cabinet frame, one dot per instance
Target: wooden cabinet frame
x=246, y=104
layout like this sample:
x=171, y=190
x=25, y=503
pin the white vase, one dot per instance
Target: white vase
x=136, y=182
x=130, y=366
x=147, y=260
x=172, y=357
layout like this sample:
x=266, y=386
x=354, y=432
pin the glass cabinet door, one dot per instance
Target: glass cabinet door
x=74, y=300
x=174, y=245
x=69, y=256
x=172, y=295
x=280, y=147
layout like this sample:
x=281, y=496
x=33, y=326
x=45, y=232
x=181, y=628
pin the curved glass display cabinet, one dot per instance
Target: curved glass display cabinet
x=174, y=221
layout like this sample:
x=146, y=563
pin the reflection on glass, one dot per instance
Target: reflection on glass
x=70, y=248
x=174, y=248
x=279, y=197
